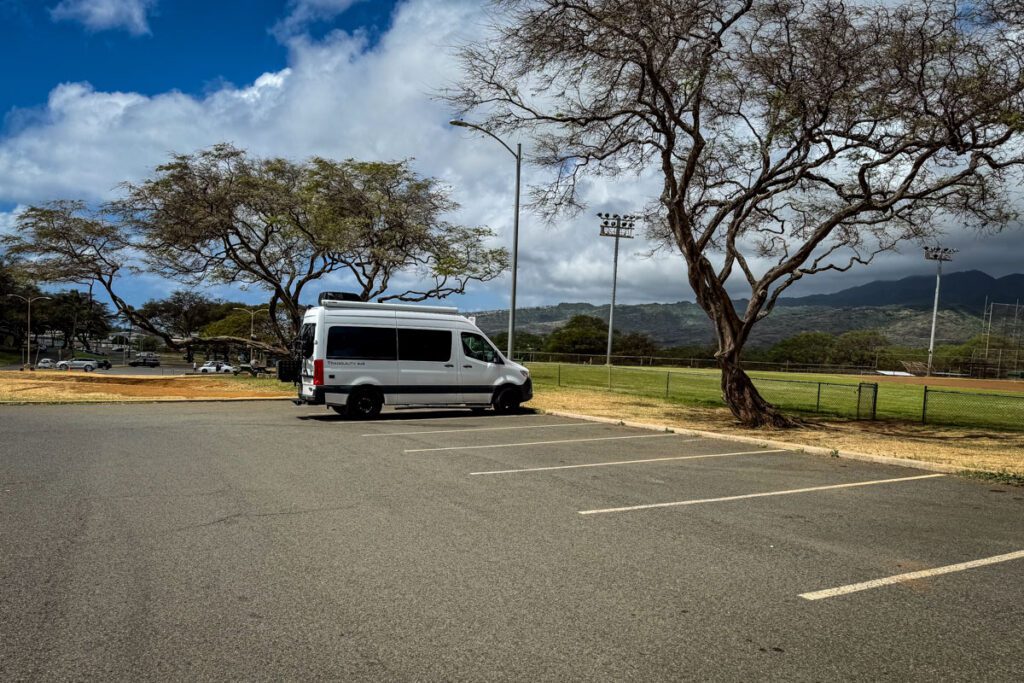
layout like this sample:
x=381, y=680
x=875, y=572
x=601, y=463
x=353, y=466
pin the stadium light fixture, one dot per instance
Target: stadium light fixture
x=938, y=254
x=619, y=227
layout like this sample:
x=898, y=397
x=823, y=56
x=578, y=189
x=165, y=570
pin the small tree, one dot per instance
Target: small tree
x=810, y=348
x=66, y=242
x=788, y=137
x=858, y=347
x=584, y=334
x=183, y=313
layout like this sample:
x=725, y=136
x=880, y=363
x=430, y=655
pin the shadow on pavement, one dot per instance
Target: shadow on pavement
x=399, y=416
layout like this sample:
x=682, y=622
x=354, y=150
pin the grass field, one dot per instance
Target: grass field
x=960, y=402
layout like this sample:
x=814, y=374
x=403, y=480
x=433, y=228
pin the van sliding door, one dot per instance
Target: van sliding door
x=426, y=366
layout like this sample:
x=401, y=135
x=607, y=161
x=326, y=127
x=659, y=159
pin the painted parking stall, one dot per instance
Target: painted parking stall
x=474, y=561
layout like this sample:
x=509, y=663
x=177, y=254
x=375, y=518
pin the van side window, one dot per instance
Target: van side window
x=307, y=334
x=426, y=345
x=478, y=348
x=361, y=343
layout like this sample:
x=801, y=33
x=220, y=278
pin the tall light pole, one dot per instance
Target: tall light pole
x=28, y=338
x=937, y=254
x=518, y=154
x=252, y=326
x=619, y=227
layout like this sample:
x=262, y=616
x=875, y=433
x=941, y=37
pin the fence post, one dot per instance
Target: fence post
x=609, y=377
x=559, y=374
x=924, y=406
x=817, y=405
x=668, y=378
x=859, y=387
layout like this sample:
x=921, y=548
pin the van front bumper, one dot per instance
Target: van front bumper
x=527, y=389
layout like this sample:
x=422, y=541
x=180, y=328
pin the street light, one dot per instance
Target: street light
x=518, y=154
x=252, y=328
x=619, y=227
x=937, y=254
x=28, y=338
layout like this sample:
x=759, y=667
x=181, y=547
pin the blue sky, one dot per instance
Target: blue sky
x=191, y=46
x=97, y=92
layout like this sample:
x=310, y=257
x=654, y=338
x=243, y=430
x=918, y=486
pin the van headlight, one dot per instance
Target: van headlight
x=524, y=373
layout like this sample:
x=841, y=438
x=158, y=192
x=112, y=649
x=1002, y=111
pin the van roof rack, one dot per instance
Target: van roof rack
x=367, y=305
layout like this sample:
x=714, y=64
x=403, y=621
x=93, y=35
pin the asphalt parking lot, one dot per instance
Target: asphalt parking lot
x=264, y=541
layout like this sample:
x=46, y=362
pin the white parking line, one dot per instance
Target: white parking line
x=486, y=429
x=536, y=443
x=910, y=576
x=626, y=462
x=699, y=501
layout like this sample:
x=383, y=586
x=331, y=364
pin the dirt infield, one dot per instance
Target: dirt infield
x=949, y=382
x=66, y=387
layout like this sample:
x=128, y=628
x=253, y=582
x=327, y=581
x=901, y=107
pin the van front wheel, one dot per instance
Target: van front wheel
x=507, y=401
x=364, y=404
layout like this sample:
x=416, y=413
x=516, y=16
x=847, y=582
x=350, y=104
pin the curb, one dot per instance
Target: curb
x=147, y=400
x=801, y=448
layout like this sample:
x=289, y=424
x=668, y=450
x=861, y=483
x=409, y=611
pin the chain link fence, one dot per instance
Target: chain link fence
x=942, y=406
x=854, y=401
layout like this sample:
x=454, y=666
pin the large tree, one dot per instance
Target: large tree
x=67, y=242
x=220, y=215
x=788, y=137
x=184, y=313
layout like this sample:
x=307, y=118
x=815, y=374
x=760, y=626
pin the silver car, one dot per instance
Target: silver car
x=86, y=364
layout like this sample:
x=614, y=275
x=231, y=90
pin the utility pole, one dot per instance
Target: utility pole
x=937, y=254
x=28, y=337
x=252, y=326
x=619, y=227
x=518, y=154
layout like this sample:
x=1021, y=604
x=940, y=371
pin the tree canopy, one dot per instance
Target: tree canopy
x=788, y=138
x=222, y=216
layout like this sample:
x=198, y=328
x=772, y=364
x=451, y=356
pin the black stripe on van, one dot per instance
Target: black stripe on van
x=415, y=389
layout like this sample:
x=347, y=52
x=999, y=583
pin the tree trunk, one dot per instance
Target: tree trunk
x=744, y=400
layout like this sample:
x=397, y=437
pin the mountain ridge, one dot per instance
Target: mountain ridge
x=900, y=308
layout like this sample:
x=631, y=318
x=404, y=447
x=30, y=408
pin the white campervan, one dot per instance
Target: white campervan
x=357, y=357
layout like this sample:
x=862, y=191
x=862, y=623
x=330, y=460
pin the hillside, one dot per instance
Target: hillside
x=901, y=308
x=966, y=289
x=684, y=323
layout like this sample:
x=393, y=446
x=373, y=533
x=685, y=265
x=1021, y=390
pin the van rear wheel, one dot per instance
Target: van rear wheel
x=507, y=401
x=364, y=404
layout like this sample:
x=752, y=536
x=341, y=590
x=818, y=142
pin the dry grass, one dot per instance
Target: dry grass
x=966, y=448
x=64, y=387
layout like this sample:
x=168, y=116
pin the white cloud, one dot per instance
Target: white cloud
x=101, y=15
x=8, y=219
x=340, y=97
x=303, y=13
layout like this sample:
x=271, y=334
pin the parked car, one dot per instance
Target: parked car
x=46, y=364
x=211, y=367
x=145, y=361
x=86, y=364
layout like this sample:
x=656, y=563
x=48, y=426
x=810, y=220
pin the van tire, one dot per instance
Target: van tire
x=364, y=404
x=507, y=401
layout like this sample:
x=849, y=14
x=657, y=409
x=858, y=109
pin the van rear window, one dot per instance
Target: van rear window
x=361, y=343
x=426, y=345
